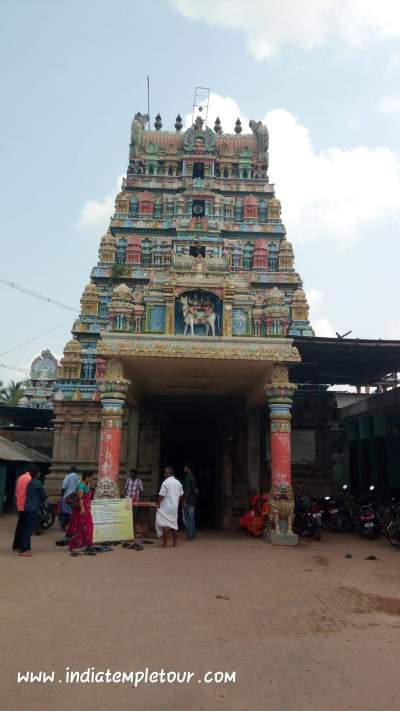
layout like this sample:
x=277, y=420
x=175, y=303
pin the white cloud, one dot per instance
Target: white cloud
x=315, y=297
x=329, y=192
x=323, y=327
x=393, y=64
x=390, y=105
x=268, y=26
x=320, y=323
x=228, y=111
x=96, y=213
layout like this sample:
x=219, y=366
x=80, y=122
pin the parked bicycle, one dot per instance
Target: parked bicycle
x=392, y=530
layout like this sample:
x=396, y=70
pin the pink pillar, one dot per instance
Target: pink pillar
x=110, y=450
x=280, y=398
x=113, y=398
x=281, y=469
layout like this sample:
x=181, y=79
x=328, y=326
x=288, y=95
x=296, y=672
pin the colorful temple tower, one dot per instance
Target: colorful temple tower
x=184, y=340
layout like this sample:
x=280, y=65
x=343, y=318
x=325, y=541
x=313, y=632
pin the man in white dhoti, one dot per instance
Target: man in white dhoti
x=169, y=497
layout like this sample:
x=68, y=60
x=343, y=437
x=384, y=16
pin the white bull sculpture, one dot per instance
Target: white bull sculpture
x=190, y=318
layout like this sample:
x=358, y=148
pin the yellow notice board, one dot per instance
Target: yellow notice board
x=112, y=520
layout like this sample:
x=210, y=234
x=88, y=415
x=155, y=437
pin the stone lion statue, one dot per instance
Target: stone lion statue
x=281, y=500
x=262, y=137
x=137, y=128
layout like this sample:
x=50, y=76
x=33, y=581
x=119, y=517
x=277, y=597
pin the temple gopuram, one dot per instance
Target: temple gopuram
x=186, y=333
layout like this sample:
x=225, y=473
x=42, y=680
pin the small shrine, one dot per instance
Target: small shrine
x=40, y=389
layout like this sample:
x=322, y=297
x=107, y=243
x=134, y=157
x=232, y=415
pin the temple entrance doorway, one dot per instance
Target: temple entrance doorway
x=190, y=438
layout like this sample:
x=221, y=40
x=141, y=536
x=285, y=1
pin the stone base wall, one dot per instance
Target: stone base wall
x=76, y=441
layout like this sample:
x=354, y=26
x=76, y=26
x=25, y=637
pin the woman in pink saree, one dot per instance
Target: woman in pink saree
x=80, y=529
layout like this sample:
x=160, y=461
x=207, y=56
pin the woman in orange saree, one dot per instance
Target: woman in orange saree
x=253, y=521
x=258, y=521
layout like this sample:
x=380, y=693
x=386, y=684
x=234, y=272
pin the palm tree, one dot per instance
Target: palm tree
x=12, y=393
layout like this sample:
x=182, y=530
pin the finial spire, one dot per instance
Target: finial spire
x=217, y=125
x=238, y=126
x=158, y=123
x=178, y=123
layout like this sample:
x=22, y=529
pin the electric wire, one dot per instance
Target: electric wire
x=13, y=285
x=34, y=338
x=13, y=367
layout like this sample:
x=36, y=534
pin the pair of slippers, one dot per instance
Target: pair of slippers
x=132, y=546
x=369, y=557
x=92, y=550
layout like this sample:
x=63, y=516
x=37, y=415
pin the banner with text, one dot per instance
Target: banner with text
x=112, y=520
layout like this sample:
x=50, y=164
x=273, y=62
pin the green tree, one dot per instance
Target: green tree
x=12, y=393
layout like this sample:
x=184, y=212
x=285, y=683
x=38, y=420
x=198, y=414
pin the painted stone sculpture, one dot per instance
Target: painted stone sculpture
x=282, y=508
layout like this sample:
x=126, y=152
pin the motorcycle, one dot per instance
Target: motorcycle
x=369, y=523
x=46, y=516
x=308, y=517
x=338, y=513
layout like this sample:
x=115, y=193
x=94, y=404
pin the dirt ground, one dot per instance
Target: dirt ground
x=302, y=627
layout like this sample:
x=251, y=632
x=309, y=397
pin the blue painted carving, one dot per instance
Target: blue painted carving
x=157, y=318
x=239, y=322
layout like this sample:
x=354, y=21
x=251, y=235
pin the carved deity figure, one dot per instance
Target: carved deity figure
x=198, y=124
x=138, y=309
x=258, y=313
x=262, y=137
x=137, y=128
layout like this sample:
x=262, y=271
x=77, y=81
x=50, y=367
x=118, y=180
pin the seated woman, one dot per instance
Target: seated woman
x=80, y=529
x=254, y=520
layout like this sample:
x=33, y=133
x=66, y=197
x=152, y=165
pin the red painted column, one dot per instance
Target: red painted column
x=280, y=398
x=113, y=398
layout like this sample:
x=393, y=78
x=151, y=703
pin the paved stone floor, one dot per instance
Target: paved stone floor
x=303, y=628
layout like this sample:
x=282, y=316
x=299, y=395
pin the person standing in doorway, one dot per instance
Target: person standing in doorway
x=134, y=486
x=20, y=498
x=190, y=491
x=35, y=496
x=169, y=497
x=70, y=482
x=133, y=490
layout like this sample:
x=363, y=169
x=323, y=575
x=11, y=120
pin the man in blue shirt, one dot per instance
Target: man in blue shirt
x=70, y=482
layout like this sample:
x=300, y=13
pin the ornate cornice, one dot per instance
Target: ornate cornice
x=226, y=349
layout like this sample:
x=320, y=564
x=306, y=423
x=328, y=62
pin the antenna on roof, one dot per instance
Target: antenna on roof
x=148, y=97
x=200, y=102
x=341, y=337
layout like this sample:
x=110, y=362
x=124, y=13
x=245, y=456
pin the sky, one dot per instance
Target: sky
x=323, y=74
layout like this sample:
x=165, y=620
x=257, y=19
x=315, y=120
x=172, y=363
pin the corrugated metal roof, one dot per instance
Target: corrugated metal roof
x=15, y=452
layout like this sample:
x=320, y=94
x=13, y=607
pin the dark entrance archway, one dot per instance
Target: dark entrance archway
x=191, y=438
